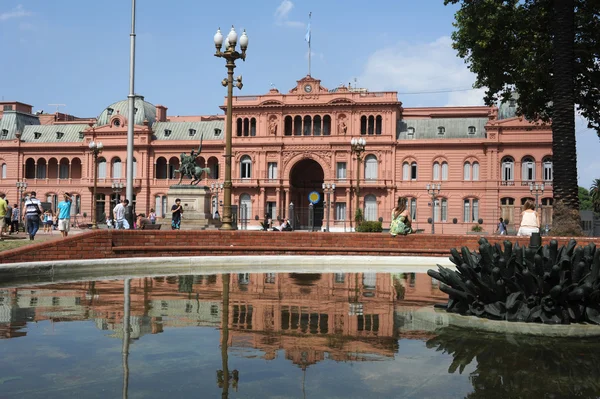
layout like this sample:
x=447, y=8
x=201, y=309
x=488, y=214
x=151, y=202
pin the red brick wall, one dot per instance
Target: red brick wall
x=102, y=244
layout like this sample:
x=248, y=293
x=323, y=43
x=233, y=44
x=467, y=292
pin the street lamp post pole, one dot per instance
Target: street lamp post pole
x=215, y=188
x=433, y=189
x=231, y=55
x=357, y=147
x=21, y=188
x=328, y=188
x=96, y=148
x=536, y=189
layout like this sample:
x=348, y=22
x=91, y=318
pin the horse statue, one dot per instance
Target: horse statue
x=189, y=168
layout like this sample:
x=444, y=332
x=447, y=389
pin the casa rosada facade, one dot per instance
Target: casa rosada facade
x=286, y=147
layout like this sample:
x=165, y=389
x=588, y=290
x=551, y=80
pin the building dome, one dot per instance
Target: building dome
x=508, y=109
x=144, y=112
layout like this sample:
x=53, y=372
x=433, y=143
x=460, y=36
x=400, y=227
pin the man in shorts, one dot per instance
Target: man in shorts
x=64, y=215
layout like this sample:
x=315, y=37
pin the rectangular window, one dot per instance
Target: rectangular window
x=272, y=169
x=272, y=209
x=444, y=213
x=341, y=170
x=413, y=208
x=339, y=278
x=340, y=211
x=413, y=171
x=547, y=171
x=467, y=211
x=475, y=208
x=157, y=203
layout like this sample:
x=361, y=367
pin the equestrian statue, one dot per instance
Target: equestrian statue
x=189, y=168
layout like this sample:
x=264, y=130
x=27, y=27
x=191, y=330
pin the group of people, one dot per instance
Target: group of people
x=34, y=215
x=118, y=220
x=284, y=224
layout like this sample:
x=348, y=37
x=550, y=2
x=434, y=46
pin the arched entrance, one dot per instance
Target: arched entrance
x=306, y=176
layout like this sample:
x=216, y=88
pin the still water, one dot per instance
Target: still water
x=268, y=335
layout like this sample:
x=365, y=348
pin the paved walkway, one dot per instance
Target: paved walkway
x=21, y=239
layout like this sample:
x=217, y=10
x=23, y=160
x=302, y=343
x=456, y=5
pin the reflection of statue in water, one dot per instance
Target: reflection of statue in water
x=189, y=168
x=521, y=366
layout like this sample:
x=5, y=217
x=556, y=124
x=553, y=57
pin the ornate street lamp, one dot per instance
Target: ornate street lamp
x=96, y=148
x=328, y=188
x=357, y=147
x=433, y=190
x=21, y=188
x=536, y=189
x=216, y=188
x=231, y=55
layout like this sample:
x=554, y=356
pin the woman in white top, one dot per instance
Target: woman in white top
x=530, y=220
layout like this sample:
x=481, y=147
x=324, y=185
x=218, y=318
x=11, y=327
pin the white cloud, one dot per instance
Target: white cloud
x=422, y=67
x=282, y=15
x=17, y=12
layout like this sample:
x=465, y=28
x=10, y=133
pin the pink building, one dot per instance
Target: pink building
x=286, y=146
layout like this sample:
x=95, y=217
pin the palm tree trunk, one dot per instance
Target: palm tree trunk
x=563, y=119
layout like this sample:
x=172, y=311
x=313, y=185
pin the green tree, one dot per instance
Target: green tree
x=595, y=195
x=547, y=51
x=585, y=201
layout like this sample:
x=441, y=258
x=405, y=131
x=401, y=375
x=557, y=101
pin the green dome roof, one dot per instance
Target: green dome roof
x=144, y=111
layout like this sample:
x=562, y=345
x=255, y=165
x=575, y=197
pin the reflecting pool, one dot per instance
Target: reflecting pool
x=263, y=335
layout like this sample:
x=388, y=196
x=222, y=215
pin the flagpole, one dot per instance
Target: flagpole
x=309, y=40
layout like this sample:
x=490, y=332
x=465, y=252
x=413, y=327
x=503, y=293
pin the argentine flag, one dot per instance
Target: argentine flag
x=307, y=37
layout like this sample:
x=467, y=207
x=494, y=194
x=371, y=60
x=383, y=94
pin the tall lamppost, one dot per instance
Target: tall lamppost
x=231, y=55
x=433, y=190
x=536, y=189
x=96, y=148
x=117, y=187
x=357, y=147
x=328, y=188
x=216, y=188
x=21, y=188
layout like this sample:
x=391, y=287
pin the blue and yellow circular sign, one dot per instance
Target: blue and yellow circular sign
x=314, y=197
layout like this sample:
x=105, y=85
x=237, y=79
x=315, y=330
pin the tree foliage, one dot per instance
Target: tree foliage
x=595, y=195
x=585, y=201
x=508, y=45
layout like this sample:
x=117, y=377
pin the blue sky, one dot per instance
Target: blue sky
x=77, y=53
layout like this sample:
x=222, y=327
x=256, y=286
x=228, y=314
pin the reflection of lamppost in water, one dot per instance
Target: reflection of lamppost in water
x=216, y=188
x=231, y=55
x=433, y=190
x=223, y=376
x=96, y=148
x=328, y=188
x=357, y=147
x=126, y=334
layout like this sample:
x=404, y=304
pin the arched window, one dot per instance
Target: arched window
x=3, y=171
x=436, y=171
x=253, y=127
x=298, y=126
x=116, y=168
x=528, y=169
x=363, y=124
x=371, y=167
x=412, y=205
x=63, y=169
x=40, y=172
x=213, y=165
x=317, y=125
x=371, y=127
x=405, y=171
x=467, y=171
x=413, y=171
x=76, y=168
x=239, y=127
x=246, y=127
x=307, y=128
x=173, y=166
x=507, y=169
x=101, y=168
x=52, y=168
x=470, y=210
x=245, y=167
x=444, y=170
x=370, y=211
x=161, y=168
x=245, y=207
x=378, y=123
x=547, y=162
x=288, y=124
x=326, y=125
x=475, y=171
x=30, y=168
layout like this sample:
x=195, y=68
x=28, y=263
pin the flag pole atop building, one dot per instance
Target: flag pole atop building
x=307, y=38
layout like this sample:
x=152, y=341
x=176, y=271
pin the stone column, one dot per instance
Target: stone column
x=278, y=206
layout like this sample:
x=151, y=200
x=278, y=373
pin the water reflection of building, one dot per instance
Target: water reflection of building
x=349, y=316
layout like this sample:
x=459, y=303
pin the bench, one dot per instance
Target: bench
x=151, y=227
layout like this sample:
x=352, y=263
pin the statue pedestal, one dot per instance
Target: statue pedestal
x=195, y=201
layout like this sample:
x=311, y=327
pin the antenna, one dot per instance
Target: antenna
x=58, y=106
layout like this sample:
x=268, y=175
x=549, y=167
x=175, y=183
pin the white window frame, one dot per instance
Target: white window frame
x=102, y=168
x=475, y=171
x=272, y=170
x=528, y=169
x=4, y=167
x=370, y=167
x=341, y=170
x=405, y=171
x=246, y=167
x=444, y=170
x=436, y=170
x=370, y=208
x=340, y=211
x=508, y=169
x=414, y=172
x=467, y=171
x=116, y=168
x=548, y=169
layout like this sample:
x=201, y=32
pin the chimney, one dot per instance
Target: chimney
x=161, y=113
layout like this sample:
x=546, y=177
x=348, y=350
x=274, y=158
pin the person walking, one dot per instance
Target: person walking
x=64, y=215
x=7, y=217
x=14, y=220
x=501, y=227
x=3, y=210
x=176, y=211
x=119, y=214
x=530, y=220
x=33, y=210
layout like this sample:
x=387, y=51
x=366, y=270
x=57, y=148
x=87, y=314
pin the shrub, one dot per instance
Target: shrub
x=358, y=216
x=369, y=227
x=477, y=228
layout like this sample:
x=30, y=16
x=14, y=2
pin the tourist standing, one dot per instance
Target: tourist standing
x=152, y=216
x=33, y=210
x=14, y=221
x=501, y=227
x=530, y=220
x=7, y=217
x=64, y=215
x=119, y=214
x=401, y=221
x=176, y=211
x=3, y=210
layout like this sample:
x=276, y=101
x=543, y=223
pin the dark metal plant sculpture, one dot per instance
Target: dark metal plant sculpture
x=546, y=284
